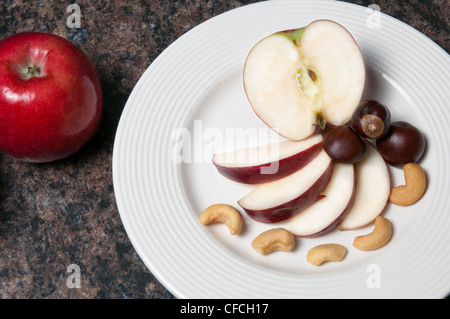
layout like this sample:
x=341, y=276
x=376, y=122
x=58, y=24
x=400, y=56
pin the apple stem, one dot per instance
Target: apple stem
x=31, y=71
x=322, y=123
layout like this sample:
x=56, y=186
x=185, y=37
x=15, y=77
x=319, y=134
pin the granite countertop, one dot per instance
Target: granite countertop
x=62, y=213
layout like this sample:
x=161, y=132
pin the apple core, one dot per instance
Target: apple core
x=308, y=82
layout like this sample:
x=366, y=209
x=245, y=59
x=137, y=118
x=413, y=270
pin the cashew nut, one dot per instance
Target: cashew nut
x=222, y=213
x=379, y=237
x=416, y=183
x=273, y=240
x=326, y=252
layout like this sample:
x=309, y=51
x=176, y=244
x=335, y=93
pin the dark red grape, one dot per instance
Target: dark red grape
x=402, y=145
x=371, y=119
x=343, y=145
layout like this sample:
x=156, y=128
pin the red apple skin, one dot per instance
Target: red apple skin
x=338, y=220
x=286, y=166
x=51, y=116
x=295, y=206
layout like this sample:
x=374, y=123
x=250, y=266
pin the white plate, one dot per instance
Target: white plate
x=196, y=84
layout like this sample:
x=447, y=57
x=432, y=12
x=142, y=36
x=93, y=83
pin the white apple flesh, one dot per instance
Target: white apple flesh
x=284, y=198
x=373, y=186
x=266, y=163
x=294, y=78
x=324, y=215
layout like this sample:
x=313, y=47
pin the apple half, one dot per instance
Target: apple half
x=284, y=198
x=296, y=79
x=266, y=163
x=324, y=215
x=373, y=186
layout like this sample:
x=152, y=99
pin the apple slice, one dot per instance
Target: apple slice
x=324, y=215
x=373, y=185
x=284, y=198
x=269, y=162
x=295, y=78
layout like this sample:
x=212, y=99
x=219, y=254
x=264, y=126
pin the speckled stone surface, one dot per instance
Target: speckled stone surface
x=57, y=214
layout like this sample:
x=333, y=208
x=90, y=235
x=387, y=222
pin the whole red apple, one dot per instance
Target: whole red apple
x=51, y=100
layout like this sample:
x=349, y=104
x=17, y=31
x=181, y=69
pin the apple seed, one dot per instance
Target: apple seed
x=312, y=75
